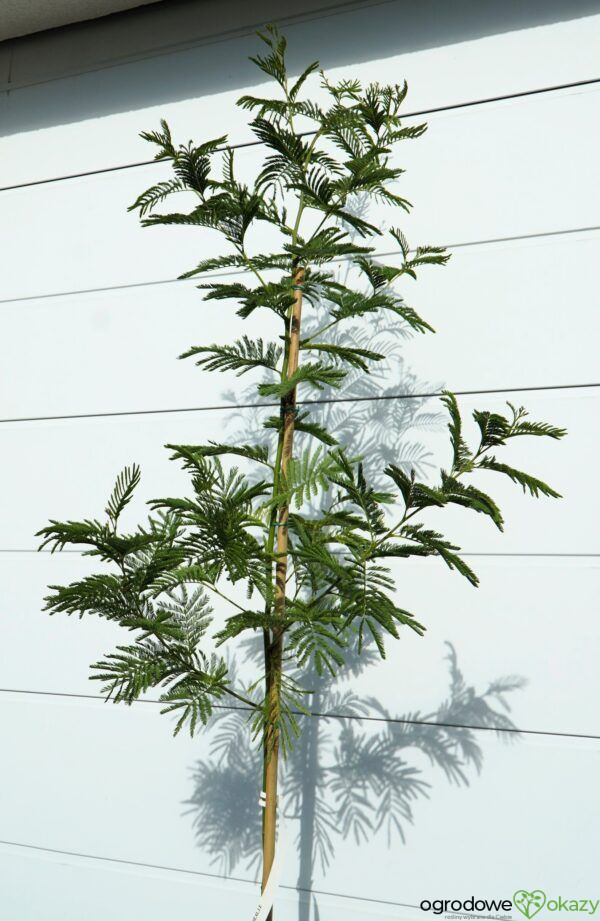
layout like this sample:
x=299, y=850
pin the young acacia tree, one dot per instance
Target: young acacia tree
x=312, y=537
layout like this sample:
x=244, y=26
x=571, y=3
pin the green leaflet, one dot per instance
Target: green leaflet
x=305, y=478
x=529, y=483
x=317, y=375
x=357, y=358
x=242, y=356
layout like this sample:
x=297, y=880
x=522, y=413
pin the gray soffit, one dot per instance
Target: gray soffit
x=148, y=28
x=22, y=17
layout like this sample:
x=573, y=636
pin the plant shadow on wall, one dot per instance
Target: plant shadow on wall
x=356, y=772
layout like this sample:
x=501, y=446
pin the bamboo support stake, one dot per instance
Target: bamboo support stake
x=288, y=407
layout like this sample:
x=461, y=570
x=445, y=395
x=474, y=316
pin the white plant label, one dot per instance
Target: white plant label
x=265, y=903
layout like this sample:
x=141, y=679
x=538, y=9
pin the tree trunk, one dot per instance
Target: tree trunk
x=275, y=656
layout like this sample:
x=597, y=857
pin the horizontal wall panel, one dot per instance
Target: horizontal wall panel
x=91, y=121
x=81, y=459
x=63, y=888
x=488, y=296
x=25, y=662
x=95, y=755
x=533, y=618
x=156, y=794
x=508, y=314
x=505, y=155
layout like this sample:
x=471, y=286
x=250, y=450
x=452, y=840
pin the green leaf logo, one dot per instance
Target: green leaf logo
x=529, y=902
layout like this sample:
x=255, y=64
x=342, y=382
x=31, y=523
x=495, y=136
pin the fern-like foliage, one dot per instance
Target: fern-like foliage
x=291, y=536
x=242, y=356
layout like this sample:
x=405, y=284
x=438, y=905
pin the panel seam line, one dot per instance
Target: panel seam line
x=330, y=715
x=515, y=238
x=434, y=110
x=325, y=401
x=217, y=876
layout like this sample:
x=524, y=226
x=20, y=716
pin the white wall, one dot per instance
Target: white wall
x=98, y=805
